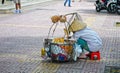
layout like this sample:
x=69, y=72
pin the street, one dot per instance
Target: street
x=21, y=38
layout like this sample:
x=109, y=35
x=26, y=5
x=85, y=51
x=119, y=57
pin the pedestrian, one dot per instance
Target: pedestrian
x=3, y=1
x=67, y=1
x=17, y=6
x=86, y=38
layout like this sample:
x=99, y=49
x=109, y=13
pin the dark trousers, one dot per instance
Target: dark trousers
x=3, y=1
x=83, y=44
x=67, y=1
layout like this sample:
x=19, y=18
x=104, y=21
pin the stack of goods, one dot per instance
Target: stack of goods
x=58, y=40
x=60, y=50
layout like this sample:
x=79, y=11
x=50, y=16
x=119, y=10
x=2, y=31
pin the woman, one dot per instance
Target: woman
x=86, y=38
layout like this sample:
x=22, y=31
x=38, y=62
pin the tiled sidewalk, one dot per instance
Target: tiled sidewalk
x=20, y=48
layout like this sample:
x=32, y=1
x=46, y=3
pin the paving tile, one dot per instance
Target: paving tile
x=20, y=44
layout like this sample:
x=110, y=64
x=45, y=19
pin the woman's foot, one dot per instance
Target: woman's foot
x=83, y=56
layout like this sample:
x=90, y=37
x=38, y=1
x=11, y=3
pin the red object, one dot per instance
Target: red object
x=103, y=0
x=95, y=55
x=54, y=55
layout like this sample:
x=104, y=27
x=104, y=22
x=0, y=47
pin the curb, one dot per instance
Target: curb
x=8, y=8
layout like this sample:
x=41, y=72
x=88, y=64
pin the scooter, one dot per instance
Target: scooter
x=109, y=5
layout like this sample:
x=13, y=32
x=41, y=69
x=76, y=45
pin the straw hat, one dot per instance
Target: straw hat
x=76, y=25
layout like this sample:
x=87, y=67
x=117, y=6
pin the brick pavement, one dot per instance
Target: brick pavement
x=20, y=49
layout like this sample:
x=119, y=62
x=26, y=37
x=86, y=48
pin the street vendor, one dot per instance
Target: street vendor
x=85, y=37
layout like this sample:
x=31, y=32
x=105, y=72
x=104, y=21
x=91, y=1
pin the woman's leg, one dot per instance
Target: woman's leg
x=65, y=2
x=83, y=44
x=19, y=5
x=16, y=6
x=69, y=3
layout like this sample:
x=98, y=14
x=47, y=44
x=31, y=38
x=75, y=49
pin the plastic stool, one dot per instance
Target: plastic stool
x=95, y=55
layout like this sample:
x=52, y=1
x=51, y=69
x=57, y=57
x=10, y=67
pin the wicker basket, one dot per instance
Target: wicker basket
x=59, y=51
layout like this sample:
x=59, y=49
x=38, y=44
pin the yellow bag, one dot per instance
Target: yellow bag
x=43, y=52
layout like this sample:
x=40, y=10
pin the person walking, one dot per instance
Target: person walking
x=67, y=1
x=17, y=6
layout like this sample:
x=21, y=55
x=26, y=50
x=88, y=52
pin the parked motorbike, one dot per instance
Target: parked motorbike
x=109, y=5
x=118, y=7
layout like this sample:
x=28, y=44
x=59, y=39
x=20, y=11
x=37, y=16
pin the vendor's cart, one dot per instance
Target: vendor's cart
x=60, y=48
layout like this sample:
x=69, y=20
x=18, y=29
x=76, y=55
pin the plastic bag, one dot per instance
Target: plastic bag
x=77, y=51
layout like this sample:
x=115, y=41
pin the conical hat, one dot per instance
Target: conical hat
x=76, y=25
